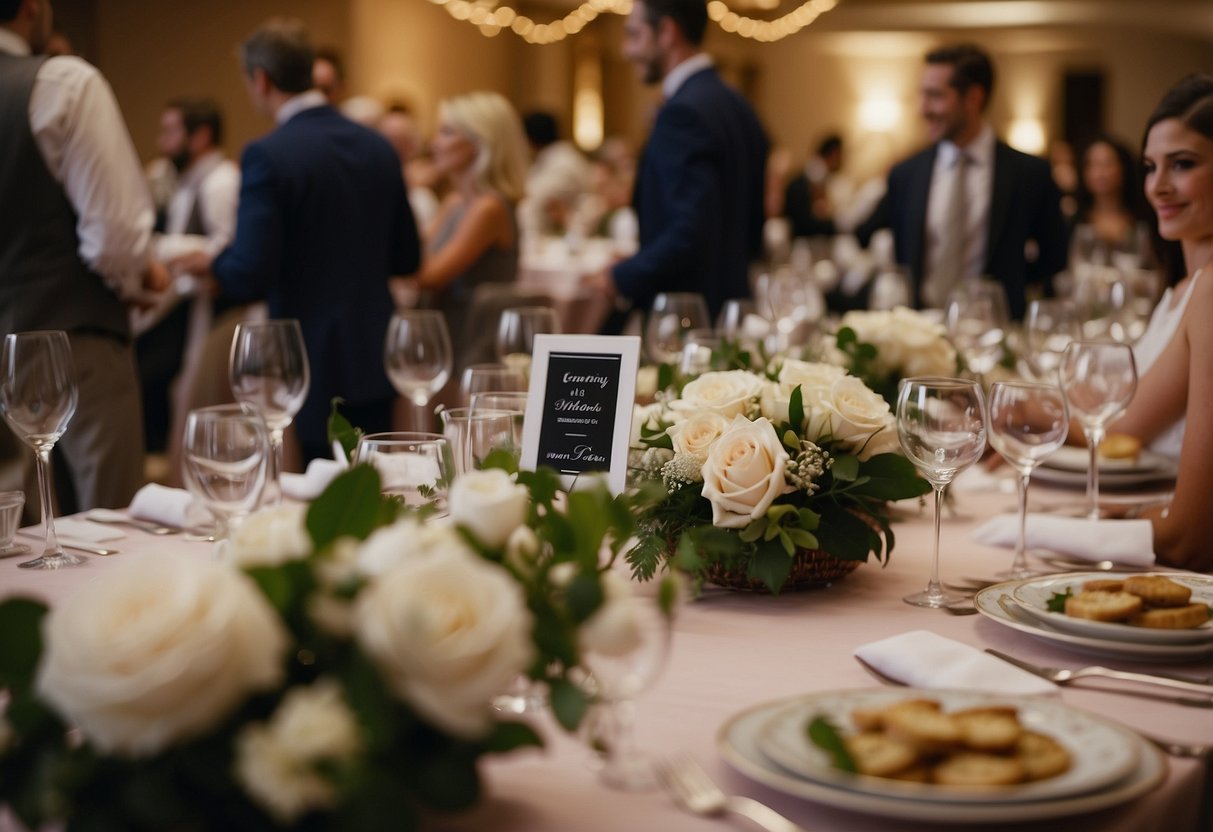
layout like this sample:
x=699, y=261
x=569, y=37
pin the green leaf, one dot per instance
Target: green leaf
x=772, y=531
x=502, y=458
x=802, y=538
x=891, y=477
x=808, y=518
x=668, y=593
x=1057, y=602
x=583, y=596
x=796, y=408
x=508, y=736
x=20, y=641
x=569, y=703
x=449, y=780
x=665, y=376
x=845, y=468
x=791, y=441
x=786, y=542
x=351, y=506
x=825, y=736
x=754, y=530
x=340, y=429
x=845, y=337
x=771, y=565
x=844, y=535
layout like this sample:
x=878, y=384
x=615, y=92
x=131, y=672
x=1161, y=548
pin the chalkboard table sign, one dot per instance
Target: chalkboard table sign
x=579, y=406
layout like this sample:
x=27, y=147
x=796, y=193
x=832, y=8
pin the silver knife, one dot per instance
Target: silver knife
x=1063, y=676
x=79, y=547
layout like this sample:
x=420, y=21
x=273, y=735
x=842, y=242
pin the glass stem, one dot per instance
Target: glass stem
x=273, y=486
x=420, y=401
x=44, y=491
x=1095, y=436
x=934, y=589
x=623, y=743
x=1020, y=566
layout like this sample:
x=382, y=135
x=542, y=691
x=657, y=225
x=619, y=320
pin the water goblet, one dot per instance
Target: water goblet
x=516, y=334
x=673, y=315
x=942, y=427
x=1099, y=379
x=490, y=378
x=1049, y=328
x=226, y=460
x=474, y=433
x=511, y=403
x=269, y=371
x=414, y=466
x=696, y=357
x=1028, y=421
x=976, y=316
x=417, y=355
x=38, y=399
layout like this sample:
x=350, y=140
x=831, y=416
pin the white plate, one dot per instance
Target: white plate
x=738, y=744
x=1101, y=753
x=1072, y=458
x=1150, y=467
x=1017, y=618
x=1034, y=595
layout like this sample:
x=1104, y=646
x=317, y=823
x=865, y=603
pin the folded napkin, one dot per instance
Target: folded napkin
x=309, y=485
x=78, y=528
x=923, y=659
x=169, y=506
x=1128, y=542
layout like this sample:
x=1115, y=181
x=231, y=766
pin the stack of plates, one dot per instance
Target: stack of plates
x=1023, y=605
x=1110, y=765
x=1068, y=466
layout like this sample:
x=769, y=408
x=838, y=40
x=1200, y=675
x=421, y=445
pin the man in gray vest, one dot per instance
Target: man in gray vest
x=75, y=227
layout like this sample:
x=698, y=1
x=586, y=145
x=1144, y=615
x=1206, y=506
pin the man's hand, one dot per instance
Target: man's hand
x=156, y=277
x=197, y=263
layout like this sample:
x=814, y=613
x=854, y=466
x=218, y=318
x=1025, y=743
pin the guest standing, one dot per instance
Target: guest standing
x=700, y=185
x=1109, y=219
x=323, y=223
x=75, y=228
x=968, y=205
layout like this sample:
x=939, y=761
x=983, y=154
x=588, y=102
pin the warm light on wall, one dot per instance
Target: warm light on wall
x=587, y=100
x=1028, y=135
x=879, y=115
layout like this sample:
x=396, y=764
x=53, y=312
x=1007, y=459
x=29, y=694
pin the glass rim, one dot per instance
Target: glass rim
x=10, y=499
x=402, y=437
x=1026, y=384
x=938, y=381
x=269, y=323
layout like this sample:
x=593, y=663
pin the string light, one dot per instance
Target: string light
x=491, y=21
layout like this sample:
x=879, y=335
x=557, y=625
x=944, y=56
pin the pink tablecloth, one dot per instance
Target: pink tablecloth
x=733, y=651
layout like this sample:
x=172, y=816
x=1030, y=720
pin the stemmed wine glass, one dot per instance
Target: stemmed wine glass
x=38, y=399
x=1028, y=421
x=1099, y=379
x=942, y=427
x=269, y=372
x=673, y=315
x=226, y=460
x=1049, y=328
x=977, y=322
x=490, y=378
x=417, y=355
x=516, y=334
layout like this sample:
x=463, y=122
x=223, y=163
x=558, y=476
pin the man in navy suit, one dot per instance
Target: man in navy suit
x=323, y=223
x=699, y=187
x=1009, y=197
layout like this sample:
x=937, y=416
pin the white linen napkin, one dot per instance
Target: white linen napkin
x=170, y=506
x=310, y=484
x=923, y=659
x=78, y=528
x=1128, y=542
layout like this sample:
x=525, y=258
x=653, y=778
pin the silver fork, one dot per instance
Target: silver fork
x=1062, y=675
x=694, y=791
x=131, y=522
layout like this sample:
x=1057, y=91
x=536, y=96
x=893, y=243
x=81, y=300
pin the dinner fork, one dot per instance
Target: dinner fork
x=115, y=519
x=1063, y=676
x=694, y=791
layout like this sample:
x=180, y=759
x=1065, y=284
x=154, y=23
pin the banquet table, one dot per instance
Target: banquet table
x=732, y=651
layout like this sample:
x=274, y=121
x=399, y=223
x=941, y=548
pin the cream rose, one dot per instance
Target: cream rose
x=270, y=537
x=813, y=378
x=744, y=472
x=489, y=504
x=448, y=634
x=405, y=540
x=728, y=393
x=644, y=418
x=159, y=650
x=695, y=434
x=859, y=418
x=927, y=349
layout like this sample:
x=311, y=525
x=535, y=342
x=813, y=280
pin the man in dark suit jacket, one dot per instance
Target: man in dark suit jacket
x=699, y=187
x=1011, y=197
x=323, y=223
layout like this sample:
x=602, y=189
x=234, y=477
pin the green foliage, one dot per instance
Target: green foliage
x=1057, y=601
x=824, y=735
x=352, y=506
x=340, y=430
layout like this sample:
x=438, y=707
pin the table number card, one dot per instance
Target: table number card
x=579, y=406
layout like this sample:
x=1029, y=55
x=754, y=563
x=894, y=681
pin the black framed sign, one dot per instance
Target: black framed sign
x=579, y=406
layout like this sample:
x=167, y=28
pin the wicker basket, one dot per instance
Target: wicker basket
x=811, y=568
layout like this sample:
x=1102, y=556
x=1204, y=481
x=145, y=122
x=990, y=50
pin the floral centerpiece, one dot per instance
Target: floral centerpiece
x=761, y=477
x=335, y=669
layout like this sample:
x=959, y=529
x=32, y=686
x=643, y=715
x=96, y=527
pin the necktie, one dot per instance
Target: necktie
x=951, y=263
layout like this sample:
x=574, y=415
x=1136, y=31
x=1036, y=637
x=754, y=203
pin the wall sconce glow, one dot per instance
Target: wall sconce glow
x=587, y=101
x=879, y=115
x=1028, y=135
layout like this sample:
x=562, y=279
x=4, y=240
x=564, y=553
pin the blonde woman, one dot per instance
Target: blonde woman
x=480, y=149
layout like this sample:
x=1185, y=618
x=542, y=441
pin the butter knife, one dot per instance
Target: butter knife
x=1064, y=676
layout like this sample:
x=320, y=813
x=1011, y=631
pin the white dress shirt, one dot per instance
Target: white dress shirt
x=678, y=76
x=80, y=133
x=296, y=104
x=979, y=186
x=212, y=182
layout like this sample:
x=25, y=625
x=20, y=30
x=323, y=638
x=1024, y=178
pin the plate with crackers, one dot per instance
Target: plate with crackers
x=1068, y=466
x=1150, y=608
x=948, y=756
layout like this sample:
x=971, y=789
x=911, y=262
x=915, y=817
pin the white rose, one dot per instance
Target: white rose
x=270, y=537
x=744, y=472
x=859, y=418
x=489, y=504
x=774, y=402
x=644, y=418
x=159, y=650
x=315, y=723
x=695, y=435
x=928, y=351
x=728, y=393
x=522, y=550
x=646, y=382
x=448, y=634
x=405, y=540
x=615, y=627
x=813, y=378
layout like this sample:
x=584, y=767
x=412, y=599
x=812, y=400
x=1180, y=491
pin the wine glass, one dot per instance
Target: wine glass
x=890, y=288
x=226, y=456
x=942, y=427
x=1099, y=379
x=1028, y=421
x=269, y=371
x=511, y=403
x=1049, y=328
x=38, y=399
x=673, y=315
x=490, y=378
x=473, y=434
x=416, y=467
x=417, y=355
x=696, y=357
x=516, y=334
x=976, y=316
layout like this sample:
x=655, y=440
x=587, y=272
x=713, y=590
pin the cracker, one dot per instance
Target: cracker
x=1172, y=618
x=926, y=729
x=1041, y=756
x=1158, y=591
x=879, y=754
x=1120, y=446
x=976, y=770
x=1103, y=606
x=989, y=730
x=1104, y=585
